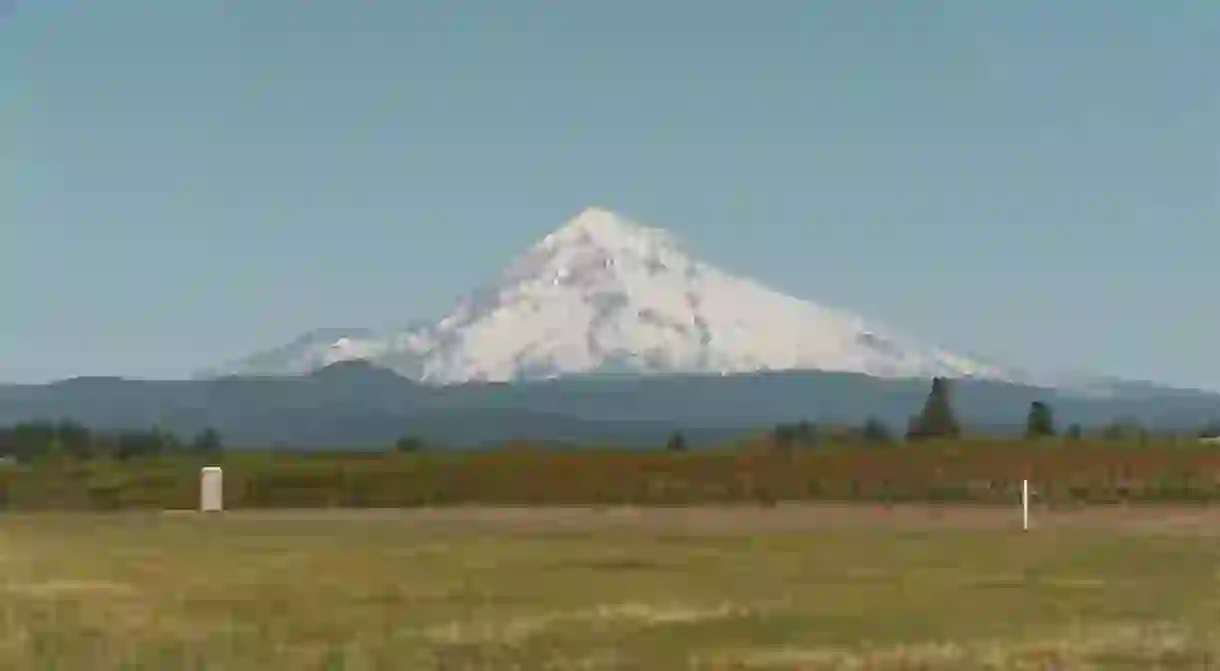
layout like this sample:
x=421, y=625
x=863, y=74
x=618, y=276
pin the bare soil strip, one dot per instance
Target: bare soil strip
x=782, y=518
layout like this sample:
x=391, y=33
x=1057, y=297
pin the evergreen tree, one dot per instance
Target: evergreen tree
x=30, y=440
x=409, y=444
x=142, y=443
x=74, y=439
x=1041, y=421
x=805, y=432
x=1210, y=430
x=875, y=432
x=783, y=435
x=207, y=440
x=676, y=443
x=936, y=420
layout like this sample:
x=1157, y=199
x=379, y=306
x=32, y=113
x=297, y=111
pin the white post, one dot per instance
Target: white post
x=1025, y=505
x=211, y=489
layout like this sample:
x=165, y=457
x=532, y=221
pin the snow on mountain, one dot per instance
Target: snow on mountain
x=315, y=349
x=603, y=294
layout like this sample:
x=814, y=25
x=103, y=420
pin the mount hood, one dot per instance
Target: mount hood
x=605, y=295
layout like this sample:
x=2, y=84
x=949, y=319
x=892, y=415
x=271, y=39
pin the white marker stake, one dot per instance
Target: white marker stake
x=1025, y=505
x=211, y=490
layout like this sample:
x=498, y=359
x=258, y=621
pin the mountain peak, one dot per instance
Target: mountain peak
x=598, y=220
x=611, y=232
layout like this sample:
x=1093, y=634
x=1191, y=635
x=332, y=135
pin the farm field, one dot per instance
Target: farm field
x=805, y=586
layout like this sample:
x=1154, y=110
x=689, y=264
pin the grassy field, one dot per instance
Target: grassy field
x=785, y=587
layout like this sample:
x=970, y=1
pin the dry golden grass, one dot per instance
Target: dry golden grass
x=605, y=589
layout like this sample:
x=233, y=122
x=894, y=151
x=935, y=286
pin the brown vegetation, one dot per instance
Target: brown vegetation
x=983, y=472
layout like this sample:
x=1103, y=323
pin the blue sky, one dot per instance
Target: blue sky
x=187, y=182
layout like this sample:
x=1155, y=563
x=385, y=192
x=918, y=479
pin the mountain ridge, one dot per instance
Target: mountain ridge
x=358, y=405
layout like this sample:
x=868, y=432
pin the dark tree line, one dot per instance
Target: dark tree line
x=68, y=439
x=935, y=421
x=805, y=434
x=938, y=421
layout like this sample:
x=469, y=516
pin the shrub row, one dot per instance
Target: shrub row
x=947, y=472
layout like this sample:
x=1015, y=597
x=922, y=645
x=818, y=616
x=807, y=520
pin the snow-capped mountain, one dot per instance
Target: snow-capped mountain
x=605, y=295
